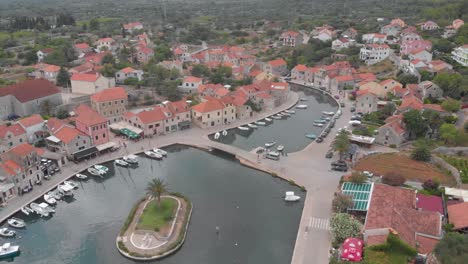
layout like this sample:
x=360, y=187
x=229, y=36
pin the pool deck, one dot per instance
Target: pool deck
x=308, y=168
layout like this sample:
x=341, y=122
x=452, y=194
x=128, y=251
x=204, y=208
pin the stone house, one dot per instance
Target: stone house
x=428, y=89
x=429, y=25
x=190, y=84
x=46, y=71
x=291, y=38
x=68, y=140
x=374, y=53
x=128, y=72
x=276, y=67
x=11, y=136
x=366, y=101
x=92, y=124
x=34, y=127
x=90, y=83
x=393, y=133
x=110, y=103
x=213, y=112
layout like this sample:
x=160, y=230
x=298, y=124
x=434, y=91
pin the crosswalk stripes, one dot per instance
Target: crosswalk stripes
x=319, y=223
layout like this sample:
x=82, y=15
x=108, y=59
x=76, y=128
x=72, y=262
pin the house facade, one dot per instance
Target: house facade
x=11, y=136
x=393, y=133
x=276, y=67
x=374, y=53
x=92, y=124
x=110, y=103
x=90, y=83
x=213, y=112
x=460, y=55
x=366, y=102
x=68, y=140
x=291, y=38
x=46, y=71
x=34, y=127
x=129, y=72
x=190, y=84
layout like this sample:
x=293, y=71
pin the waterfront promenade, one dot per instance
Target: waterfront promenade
x=307, y=167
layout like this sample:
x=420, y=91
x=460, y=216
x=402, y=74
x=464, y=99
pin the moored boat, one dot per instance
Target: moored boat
x=153, y=155
x=65, y=190
x=224, y=133
x=325, y=118
x=291, y=197
x=301, y=106
x=318, y=124
x=120, y=162
x=290, y=111
x=26, y=210
x=71, y=184
x=243, y=128
x=94, y=171
x=56, y=194
x=286, y=114
x=252, y=125
x=311, y=136
x=7, y=250
x=5, y=232
x=16, y=222
x=49, y=199
x=102, y=169
x=320, y=121
x=268, y=119
x=217, y=135
x=260, y=123
x=280, y=148
x=160, y=152
x=328, y=113
x=81, y=176
x=270, y=144
x=132, y=159
x=304, y=99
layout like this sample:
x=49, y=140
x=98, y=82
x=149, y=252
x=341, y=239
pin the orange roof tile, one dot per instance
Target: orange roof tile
x=277, y=62
x=300, y=67
x=10, y=167
x=23, y=149
x=151, y=116
x=31, y=120
x=110, y=94
x=208, y=106
x=82, y=46
x=458, y=215
x=85, y=77
x=15, y=129
x=88, y=116
x=67, y=134
x=192, y=79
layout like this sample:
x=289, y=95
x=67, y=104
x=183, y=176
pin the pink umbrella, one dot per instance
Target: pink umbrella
x=352, y=249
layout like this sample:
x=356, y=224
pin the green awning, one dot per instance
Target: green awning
x=129, y=133
x=361, y=194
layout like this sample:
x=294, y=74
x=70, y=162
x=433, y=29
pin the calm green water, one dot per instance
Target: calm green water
x=289, y=131
x=246, y=204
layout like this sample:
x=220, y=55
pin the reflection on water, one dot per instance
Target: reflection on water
x=247, y=206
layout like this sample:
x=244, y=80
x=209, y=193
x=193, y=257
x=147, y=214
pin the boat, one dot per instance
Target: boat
x=285, y=114
x=311, y=136
x=217, y=135
x=56, y=194
x=270, y=144
x=290, y=111
x=318, y=124
x=101, y=168
x=280, y=148
x=71, y=184
x=224, y=133
x=94, y=171
x=160, y=152
x=49, y=199
x=65, y=190
x=301, y=106
x=252, y=125
x=81, y=176
x=120, y=162
x=320, y=121
x=276, y=117
x=268, y=119
x=131, y=159
x=243, y=128
x=325, y=118
x=304, y=99
x=46, y=208
x=260, y=123
x=39, y=209
x=291, y=197
x=5, y=232
x=7, y=250
x=26, y=210
x=328, y=113
x=153, y=155
x=16, y=222
x=279, y=115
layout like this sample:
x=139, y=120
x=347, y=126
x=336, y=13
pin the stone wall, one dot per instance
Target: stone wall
x=439, y=161
x=451, y=151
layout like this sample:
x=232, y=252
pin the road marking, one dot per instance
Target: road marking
x=319, y=223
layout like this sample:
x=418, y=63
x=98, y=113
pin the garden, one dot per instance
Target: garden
x=156, y=216
x=460, y=163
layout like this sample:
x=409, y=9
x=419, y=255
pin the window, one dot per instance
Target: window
x=76, y=144
x=84, y=141
x=104, y=135
x=208, y=115
x=219, y=113
x=20, y=140
x=122, y=101
x=97, y=137
x=150, y=126
x=115, y=102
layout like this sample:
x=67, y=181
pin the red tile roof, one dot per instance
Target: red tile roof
x=178, y=107
x=67, y=134
x=85, y=77
x=10, y=167
x=82, y=46
x=88, y=116
x=434, y=107
x=15, y=129
x=411, y=102
x=151, y=116
x=47, y=67
x=127, y=70
x=31, y=120
x=344, y=78
x=458, y=215
x=209, y=86
x=300, y=67
x=23, y=150
x=132, y=25
x=110, y=94
x=208, y=106
x=430, y=203
x=277, y=62
x=106, y=40
x=30, y=90
x=192, y=79
x=54, y=124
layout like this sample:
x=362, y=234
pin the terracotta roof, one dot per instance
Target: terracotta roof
x=430, y=203
x=110, y=94
x=88, y=116
x=106, y=40
x=344, y=78
x=388, y=81
x=151, y=116
x=54, y=124
x=10, y=167
x=23, y=149
x=209, y=86
x=434, y=107
x=15, y=129
x=300, y=67
x=290, y=33
x=85, y=67
x=85, y=77
x=82, y=46
x=30, y=90
x=364, y=92
x=192, y=79
x=221, y=91
x=47, y=67
x=458, y=215
x=378, y=46
x=67, y=134
x=31, y=120
x=178, y=107
x=208, y=106
x=127, y=70
x=411, y=102
x=132, y=25
x=277, y=62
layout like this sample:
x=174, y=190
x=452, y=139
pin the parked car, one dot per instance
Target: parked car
x=342, y=104
x=356, y=117
x=352, y=109
x=329, y=155
x=368, y=174
x=337, y=97
x=339, y=163
x=319, y=140
x=340, y=168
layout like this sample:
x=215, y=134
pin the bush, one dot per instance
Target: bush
x=357, y=177
x=421, y=153
x=343, y=226
x=393, y=179
x=431, y=185
x=341, y=202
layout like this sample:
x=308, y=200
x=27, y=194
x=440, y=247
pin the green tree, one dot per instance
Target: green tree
x=393, y=179
x=451, y=105
x=200, y=70
x=433, y=121
x=344, y=226
x=63, y=77
x=414, y=123
x=448, y=133
x=342, y=142
x=57, y=57
x=341, y=202
x=452, y=249
x=94, y=24
x=358, y=177
x=451, y=83
x=156, y=188
x=46, y=107
x=108, y=59
x=162, y=52
x=421, y=153
x=405, y=79
x=108, y=70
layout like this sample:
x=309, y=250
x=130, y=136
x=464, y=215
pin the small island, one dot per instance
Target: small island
x=156, y=226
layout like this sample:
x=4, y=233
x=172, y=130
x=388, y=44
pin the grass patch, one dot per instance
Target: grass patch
x=130, y=217
x=156, y=216
x=393, y=251
x=460, y=163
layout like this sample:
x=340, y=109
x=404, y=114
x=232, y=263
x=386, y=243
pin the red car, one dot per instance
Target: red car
x=337, y=97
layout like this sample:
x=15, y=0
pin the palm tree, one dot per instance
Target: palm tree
x=156, y=188
x=342, y=143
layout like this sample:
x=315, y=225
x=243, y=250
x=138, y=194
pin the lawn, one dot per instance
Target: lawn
x=393, y=251
x=460, y=163
x=401, y=163
x=156, y=216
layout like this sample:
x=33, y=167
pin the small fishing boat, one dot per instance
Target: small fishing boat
x=7, y=250
x=132, y=159
x=325, y=118
x=94, y=171
x=291, y=197
x=328, y=113
x=301, y=106
x=318, y=124
x=56, y=194
x=285, y=114
x=270, y=144
x=268, y=119
x=120, y=162
x=71, y=184
x=101, y=168
x=290, y=111
x=39, y=210
x=160, y=152
x=16, y=222
x=224, y=133
x=243, y=128
x=153, y=155
x=26, y=210
x=5, y=232
x=252, y=125
x=65, y=190
x=260, y=123
x=217, y=135
x=81, y=176
x=279, y=115
x=280, y=148
x=320, y=121
x=311, y=136
x=49, y=199
x=304, y=99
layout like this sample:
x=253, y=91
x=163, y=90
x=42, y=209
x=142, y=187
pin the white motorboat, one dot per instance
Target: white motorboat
x=252, y=125
x=260, y=123
x=160, y=152
x=131, y=159
x=224, y=133
x=279, y=115
x=71, y=184
x=318, y=124
x=301, y=106
x=290, y=111
x=276, y=117
x=285, y=114
x=328, y=113
x=16, y=222
x=304, y=99
x=26, y=210
x=217, y=135
x=291, y=197
x=5, y=232
x=56, y=194
x=65, y=190
x=101, y=168
x=81, y=176
x=94, y=171
x=270, y=144
x=325, y=118
x=120, y=162
x=153, y=155
x=280, y=148
x=49, y=199
x=47, y=208
x=39, y=209
x=268, y=119
x=7, y=250
x=243, y=128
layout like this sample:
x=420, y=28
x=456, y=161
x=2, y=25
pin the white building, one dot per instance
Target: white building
x=126, y=73
x=460, y=55
x=374, y=53
x=190, y=84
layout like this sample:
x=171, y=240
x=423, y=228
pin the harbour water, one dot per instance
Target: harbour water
x=256, y=225
x=289, y=131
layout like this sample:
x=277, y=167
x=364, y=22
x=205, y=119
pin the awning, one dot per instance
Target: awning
x=129, y=133
x=53, y=139
x=122, y=124
x=105, y=146
x=84, y=153
x=6, y=187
